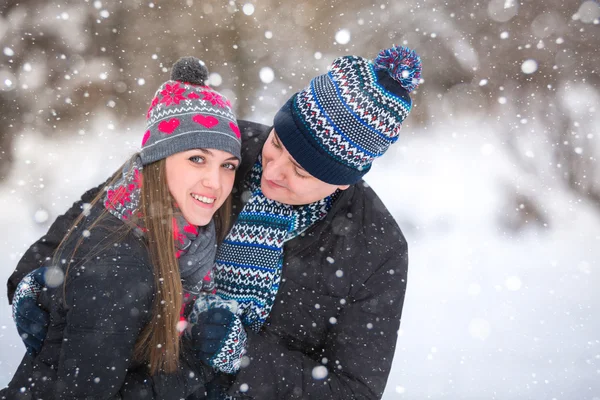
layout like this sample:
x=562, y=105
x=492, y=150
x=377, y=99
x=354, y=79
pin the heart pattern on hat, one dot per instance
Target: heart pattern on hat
x=169, y=126
x=235, y=130
x=186, y=114
x=146, y=137
x=207, y=121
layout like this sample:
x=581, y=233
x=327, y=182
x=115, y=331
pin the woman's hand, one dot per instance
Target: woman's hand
x=31, y=319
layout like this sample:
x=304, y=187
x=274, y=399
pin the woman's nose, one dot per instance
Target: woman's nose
x=211, y=178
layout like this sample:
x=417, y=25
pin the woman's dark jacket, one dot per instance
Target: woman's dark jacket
x=95, y=319
x=338, y=305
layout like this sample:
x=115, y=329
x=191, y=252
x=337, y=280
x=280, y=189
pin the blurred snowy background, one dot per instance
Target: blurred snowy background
x=495, y=181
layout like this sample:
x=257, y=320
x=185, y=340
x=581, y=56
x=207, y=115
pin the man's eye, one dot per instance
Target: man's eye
x=299, y=174
x=275, y=144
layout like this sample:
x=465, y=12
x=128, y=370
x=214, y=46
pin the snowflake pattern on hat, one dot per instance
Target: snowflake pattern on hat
x=187, y=114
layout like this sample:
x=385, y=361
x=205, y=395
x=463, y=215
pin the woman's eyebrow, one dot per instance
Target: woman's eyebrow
x=210, y=153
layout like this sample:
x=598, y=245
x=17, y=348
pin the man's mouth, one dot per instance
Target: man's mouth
x=274, y=185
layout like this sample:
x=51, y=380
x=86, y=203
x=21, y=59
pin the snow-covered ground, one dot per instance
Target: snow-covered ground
x=489, y=313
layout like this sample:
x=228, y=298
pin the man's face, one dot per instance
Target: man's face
x=285, y=181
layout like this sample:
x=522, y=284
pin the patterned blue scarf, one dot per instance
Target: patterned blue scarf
x=249, y=261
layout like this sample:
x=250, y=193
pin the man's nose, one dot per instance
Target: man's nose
x=275, y=169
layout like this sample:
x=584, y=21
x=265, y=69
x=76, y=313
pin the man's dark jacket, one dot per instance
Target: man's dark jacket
x=332, y=331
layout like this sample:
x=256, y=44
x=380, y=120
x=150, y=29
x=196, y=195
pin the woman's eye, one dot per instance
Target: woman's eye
x=197, y=159
x=275, y=144
x=230, y=166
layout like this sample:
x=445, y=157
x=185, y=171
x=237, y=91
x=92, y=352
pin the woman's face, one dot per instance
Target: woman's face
x=285, y=181
x=200, y=180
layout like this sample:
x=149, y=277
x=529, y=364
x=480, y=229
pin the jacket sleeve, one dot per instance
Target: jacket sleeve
x=103, y=322
x=356, y=358
x=106, y=303
x=189, y=380
x=44, y=248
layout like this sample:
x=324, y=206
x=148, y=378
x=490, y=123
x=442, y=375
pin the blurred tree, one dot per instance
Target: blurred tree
x=516, y=62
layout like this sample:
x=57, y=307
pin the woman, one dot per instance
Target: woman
x=148, y=237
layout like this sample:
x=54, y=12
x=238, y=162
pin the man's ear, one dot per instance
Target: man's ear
x=343, y=187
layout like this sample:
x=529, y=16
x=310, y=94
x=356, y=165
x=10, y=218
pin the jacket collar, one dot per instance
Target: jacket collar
x=254, y=137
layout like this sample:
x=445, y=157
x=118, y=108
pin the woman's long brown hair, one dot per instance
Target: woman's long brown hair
x=158, y=343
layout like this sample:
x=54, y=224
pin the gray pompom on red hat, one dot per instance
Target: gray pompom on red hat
x=187, y=114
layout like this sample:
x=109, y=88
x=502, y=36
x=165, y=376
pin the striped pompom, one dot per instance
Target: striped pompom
x=402, y=63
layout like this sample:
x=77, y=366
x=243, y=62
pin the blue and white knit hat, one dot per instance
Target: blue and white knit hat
x=346, y=118
x=187, y=114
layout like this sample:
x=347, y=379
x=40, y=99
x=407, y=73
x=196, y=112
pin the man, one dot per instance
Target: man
x=315, y=261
